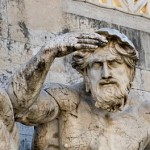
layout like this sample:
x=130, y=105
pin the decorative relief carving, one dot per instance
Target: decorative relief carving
x=137, y=7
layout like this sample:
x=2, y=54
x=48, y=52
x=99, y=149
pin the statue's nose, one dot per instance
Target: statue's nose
x=105, y=71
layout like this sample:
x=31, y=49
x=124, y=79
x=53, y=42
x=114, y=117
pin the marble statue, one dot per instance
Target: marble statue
x=23, y=89
x=97, y=114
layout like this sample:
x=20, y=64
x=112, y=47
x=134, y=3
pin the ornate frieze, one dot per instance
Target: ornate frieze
x=136, y=7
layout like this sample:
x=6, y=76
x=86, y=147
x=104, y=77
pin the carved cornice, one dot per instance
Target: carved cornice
x=136, y=7
x=96, y=9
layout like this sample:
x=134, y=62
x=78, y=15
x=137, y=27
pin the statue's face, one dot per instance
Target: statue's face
x=109, y=78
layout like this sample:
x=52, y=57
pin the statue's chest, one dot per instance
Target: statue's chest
x=86, y=130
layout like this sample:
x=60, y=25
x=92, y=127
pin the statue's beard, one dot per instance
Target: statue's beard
x=110, y=97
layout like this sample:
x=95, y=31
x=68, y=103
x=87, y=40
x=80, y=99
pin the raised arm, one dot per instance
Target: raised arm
x=25, y=85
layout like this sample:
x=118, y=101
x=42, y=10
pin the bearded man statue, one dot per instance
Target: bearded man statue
x=97, y=114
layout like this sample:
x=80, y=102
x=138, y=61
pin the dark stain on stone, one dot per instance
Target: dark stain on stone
x=24, y=29
x=65, y=30
x=8, y=31
x=9, y=42
x=0, y=25
x=1, y=16
x=3, y=78
x=107, y=116
x=27, y=47
x=9, y=60
x=54, y=147
x=55, y=135
x=37, y=73
x=41, y=66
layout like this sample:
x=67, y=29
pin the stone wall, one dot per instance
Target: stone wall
x=26, y=25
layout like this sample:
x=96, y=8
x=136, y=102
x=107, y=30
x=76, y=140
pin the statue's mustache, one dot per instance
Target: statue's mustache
x=108, y=81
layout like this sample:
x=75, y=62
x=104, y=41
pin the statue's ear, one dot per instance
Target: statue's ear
x=86, y=80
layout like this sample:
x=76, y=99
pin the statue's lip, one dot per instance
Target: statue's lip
x=107, y=82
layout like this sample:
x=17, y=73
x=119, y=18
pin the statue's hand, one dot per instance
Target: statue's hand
x=70, y=42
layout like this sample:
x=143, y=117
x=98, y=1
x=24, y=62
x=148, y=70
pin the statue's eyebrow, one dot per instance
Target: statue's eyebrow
x=116, y=59
x=90, y=63
x=94, y=61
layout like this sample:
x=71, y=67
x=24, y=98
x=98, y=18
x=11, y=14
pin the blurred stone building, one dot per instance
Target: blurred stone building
x=27, y=25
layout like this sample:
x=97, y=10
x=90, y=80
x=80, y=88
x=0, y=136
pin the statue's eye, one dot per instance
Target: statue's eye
x=96, y=65
x=114, y=63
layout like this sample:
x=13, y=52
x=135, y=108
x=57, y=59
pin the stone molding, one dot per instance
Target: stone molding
x=108, y=14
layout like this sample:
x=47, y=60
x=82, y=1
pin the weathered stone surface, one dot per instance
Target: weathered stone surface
x=141, y=81
x=37, y=18
x=26, y=25
x=145, y=81
x=3, y=18
x=14, y=53
x=145, y=44
x=137, y=80
x=139, y=95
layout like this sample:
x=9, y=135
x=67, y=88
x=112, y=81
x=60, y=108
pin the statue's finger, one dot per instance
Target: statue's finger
x=85, y=46
x=88, y=41
x=95, y=36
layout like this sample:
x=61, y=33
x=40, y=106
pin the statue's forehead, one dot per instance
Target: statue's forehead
x=104, y=54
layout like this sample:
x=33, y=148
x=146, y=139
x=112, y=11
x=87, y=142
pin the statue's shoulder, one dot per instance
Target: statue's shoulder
x=66, y=96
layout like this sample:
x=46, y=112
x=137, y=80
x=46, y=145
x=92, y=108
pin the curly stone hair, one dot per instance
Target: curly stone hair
x=123, y=48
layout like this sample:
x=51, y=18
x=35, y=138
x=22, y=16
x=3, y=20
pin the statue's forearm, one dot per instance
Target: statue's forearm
x=24, y=86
